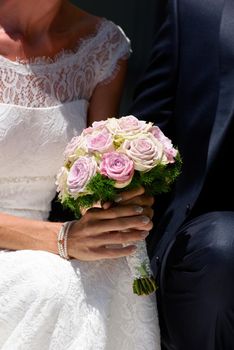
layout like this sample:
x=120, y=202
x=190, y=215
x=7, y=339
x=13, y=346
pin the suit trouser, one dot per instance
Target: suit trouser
x=196, y=305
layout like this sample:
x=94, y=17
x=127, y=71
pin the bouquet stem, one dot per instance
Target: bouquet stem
x=144, y=286
x=139, y=264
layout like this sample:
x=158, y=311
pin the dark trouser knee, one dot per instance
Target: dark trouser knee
x=197, y=303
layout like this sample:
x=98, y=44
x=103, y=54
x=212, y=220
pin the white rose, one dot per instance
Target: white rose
x=145, y=151
x=127, y=127
x=75, y=148
x=61, y=183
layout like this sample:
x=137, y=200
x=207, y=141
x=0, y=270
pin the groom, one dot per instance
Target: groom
x=188, y=91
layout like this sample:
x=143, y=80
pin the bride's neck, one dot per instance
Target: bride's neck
x=31, y=18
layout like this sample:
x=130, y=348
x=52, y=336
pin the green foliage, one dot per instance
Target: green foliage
x=100, y=188
x=73, y=205
x=160, y=179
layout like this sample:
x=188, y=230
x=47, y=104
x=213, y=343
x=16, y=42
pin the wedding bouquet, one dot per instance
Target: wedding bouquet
x=113, y=155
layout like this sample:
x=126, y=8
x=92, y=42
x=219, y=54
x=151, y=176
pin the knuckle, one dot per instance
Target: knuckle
x=90, y=243
x=141, y=190
x=114, y=212
x=87, y=216
x=79, y=231
x=90, y=226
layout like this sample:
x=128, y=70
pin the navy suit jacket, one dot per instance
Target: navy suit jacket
x=188, y=91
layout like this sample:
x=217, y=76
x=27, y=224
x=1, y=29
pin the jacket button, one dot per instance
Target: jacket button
x=188, y=209
x=157, y=259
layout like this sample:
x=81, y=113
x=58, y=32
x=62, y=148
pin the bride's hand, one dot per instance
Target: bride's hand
x=93, y=236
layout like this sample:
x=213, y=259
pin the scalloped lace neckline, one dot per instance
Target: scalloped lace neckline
x=61, y=54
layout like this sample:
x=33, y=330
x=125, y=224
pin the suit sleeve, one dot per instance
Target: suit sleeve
x=154, y=98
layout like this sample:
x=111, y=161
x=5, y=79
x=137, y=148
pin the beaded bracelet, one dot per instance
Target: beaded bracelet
x=62, y=239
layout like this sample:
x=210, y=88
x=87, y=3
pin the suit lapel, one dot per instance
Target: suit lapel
x=225, y=110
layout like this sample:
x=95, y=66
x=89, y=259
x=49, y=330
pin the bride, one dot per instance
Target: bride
x=62, y=68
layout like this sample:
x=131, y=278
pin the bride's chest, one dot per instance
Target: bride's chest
x=32, y=141
x=42, y=106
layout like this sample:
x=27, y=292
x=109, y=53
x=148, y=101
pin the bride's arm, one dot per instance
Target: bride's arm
x=107, y=96
x=88, y=237
x=19, y=233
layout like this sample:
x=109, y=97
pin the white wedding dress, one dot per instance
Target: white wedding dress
x=47, y=302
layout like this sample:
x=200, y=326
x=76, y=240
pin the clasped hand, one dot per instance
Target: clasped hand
x=108, y=232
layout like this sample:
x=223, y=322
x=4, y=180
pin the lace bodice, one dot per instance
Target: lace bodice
x=43, y=104
x=71, y=75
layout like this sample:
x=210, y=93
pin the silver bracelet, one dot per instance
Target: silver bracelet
x=62, y=239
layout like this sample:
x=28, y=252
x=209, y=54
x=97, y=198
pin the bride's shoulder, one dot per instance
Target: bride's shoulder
x=86, y=25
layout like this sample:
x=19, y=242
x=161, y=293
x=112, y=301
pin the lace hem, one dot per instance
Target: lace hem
x=63, y=54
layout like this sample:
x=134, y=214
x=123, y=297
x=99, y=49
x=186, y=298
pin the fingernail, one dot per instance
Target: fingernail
x=133, y=249
x=138, y=209
x=145, y=219
x=118, y=199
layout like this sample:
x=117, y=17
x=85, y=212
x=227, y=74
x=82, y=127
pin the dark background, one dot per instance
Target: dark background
x=140, y=20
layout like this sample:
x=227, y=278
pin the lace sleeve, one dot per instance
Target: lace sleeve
x=115, y=47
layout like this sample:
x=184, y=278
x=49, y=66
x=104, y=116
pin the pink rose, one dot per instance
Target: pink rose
x=117, y=166
x=96, y=125
x=80, y=174
x=169, y=151
x=131, y=123
x=145, y=151
x=100, y=140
